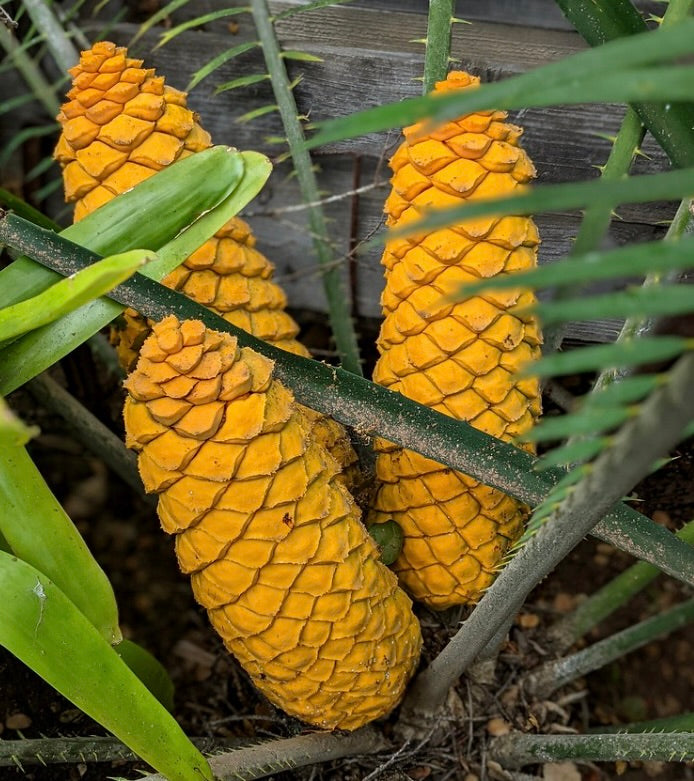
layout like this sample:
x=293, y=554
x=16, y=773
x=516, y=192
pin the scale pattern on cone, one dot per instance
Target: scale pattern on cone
x=121, y=125
x=270, y=536
x=458, y=358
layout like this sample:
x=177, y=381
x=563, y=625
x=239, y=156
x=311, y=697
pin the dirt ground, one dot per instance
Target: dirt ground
x=214, y=696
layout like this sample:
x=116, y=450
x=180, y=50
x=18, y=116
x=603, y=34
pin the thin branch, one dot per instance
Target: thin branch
x=553, y=675
x=59, y=44
x=606, y=600
x=615, y=472
x=281, y=755
x=338, y=301
x=515, y=750
x=370, y=408
x=45, y=751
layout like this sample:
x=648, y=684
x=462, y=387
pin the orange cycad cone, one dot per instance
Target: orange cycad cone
x=271, y=538
x=121, y=125
x=459, y=358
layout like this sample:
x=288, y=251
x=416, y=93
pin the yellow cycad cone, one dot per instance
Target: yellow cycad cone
x=121, y=125
x=458, y=358
x=271, y=538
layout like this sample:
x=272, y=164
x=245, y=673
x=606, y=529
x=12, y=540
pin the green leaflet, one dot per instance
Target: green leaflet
x=70, y=293
x=43, y=628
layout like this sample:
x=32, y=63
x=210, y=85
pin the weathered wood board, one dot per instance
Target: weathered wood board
x=370, y=56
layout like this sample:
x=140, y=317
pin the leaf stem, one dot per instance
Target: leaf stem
x=553, y=675
x=338, y=302
x=616, y=470
x=683, y=722
x=438, y=42
x=274, y=756
x=371, y=408
x=516, y=750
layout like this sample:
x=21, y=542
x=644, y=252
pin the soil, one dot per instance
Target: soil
x=214, y=697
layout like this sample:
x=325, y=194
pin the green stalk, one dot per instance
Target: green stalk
x=516, y=750
x=609, y=598
x=438, y=42
x=31, y=74
x=338, y=301
x=599, y=21
x=372, y=409
x=684, y=722
x=553, y=675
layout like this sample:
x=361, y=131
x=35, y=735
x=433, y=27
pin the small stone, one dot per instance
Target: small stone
x=663, y=518
x=564, y=602
x=528, y=620
x=652, y=768
x=620, y=767
x=497, y=727
x=18, y=721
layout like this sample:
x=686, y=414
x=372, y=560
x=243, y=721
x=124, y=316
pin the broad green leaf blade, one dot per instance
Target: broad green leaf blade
x=651, y=301
x=34, y=352
x=585, y=421
x=42, y=627
x=357, y=402
x=635, y=352
x=149, y=670
x=592, y=76
x=634, y=260
x=149, y=215
x=169, y=35
x=70, y=293
x=40, y=532
x=218, y=61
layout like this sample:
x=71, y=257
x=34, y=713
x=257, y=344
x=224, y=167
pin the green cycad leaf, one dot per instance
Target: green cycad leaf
x=651, y=301
x=43, y=628
x=626, y=391
x=308, y=7
x=295, y=54
x=218, y=61
x=633, y=260
x=572, y=453
x=70, y=293
x=242, y=81
x=157, y=17
x=632, y=353
x=594, y=75
x=169, y=35
x=585, y=421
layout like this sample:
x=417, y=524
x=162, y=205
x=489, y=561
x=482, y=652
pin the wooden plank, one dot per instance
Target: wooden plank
x=369, y=59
